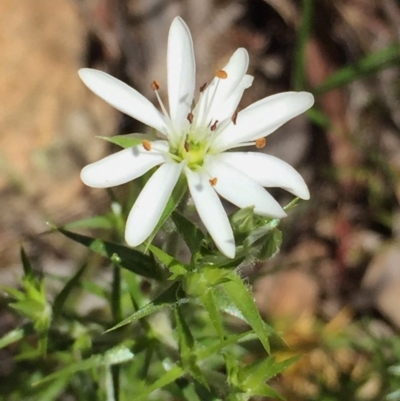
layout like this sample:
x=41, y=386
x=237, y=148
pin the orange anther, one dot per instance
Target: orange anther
x=155, y=86
x=146, y=144
x=260, y=143
x=213, y=181
x=221, y=74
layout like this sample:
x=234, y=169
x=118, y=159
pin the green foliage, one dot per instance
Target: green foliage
x=172, y=339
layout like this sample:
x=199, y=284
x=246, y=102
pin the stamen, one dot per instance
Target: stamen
x=234, y=117
x=214, y=126
x=260, y=143
x=213, y=181
x=186, y=146
x=190, y=117
x=221, y=74
x=146, y=144
x=155, y=86
x=202, y=87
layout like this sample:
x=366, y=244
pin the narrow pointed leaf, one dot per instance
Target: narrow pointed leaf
x=11, y=337
x=63, y=295
x=176, y=267
x=242, y=298
x=170, y=297
x=122, y=256
x=367, y=65
x=170, y=376
x=209, y=302
x=114, y=356
x=187, y=348
x=102, y=222
x=26, y=264
x=191, y=234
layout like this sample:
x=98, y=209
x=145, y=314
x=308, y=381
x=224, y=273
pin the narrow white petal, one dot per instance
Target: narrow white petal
x=220, y=90
x=124, y=166
x=181, y=71
x=228, y=108
x=268, y=171
x=123, y=98
x=263, y=117
x=241, y=190
x=151, y=202
x=211, y=211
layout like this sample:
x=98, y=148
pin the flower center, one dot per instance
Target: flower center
x=193, y=147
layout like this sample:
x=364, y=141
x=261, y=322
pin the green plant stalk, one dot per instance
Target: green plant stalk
x=369, y=64
x=116, y=316
x=303, y=36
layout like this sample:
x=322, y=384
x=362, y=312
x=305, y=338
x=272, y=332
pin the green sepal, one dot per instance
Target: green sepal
x=129, y=140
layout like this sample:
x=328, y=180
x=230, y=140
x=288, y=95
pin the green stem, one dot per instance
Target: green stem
x=116, y=317
x=303, y=36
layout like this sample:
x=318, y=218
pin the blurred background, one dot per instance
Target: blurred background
x=333, y=292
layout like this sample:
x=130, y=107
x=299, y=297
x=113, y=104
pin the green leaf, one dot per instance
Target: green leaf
x=369, y=64
x=28, y=271
x=265, y=391
x=176, y=267
x=170, y=376
x=271, y=245
x=128, y=140
x=11, y=337
x=187, y=348
x=204, y=353
x=122, y=256
x=173, y=201
x=114, y=356
x=260, y=371
x=63, y=295
x=242, y=298
x=191, y=234
x=209, y=302
x=170, y=297
x=96, y=222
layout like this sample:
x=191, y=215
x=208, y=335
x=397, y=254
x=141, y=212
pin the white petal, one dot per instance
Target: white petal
x=151, y=202
x=123, y=98
x=241, y=190
x=262, y=118
x=228, y=108
x=220, y=90
x=268, y=171
x=124, y=166
x=211, y=211
x=181, y=71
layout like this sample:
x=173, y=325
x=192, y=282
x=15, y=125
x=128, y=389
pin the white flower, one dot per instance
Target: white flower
x=195, y=141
